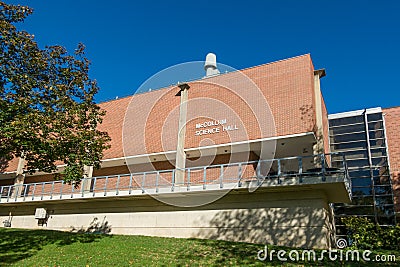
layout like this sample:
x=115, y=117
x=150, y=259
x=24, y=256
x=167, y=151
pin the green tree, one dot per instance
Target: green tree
x=47, y=111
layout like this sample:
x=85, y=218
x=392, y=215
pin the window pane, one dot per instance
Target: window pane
x=377, y=142
x=354, y=145
x=387, y=210
x=361, y=191
x=356, y=154
x=357, y=163
x=383, y=200
x=349, y=137
x=356, y=210
x=360, y=173
x=386, y=220
x=378, y=152
x=363, y=200
x=383, y=190
x=374, y=117
x=348, y=129
x=376, y=134
x=348, y=120
x=382, y=180
x=361, y=182
x=379, y=161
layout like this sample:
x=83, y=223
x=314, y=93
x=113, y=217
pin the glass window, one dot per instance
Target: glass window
x=384, y=200
x=380, y=142
x=374, y=117
x=347, y=129
x=382, y=180
x=361, y=191
x=349, y=137
x=385, y=210
x=379, y=161
x=352, y=145
x=380, y=171
x=347, y=120
x=357, y=163
x=363, y=200
x=375, y=125
x=386, y=220
x=361, y=173
x=356, y=154
x=361, y=182
x=374, y=134
x=357, y=210
x=383, y=190
x=378, y=152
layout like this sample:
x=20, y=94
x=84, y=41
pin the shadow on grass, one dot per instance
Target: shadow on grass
x=18, y=244
x=224, y=253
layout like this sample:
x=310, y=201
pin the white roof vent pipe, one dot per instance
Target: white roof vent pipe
x=210, y=66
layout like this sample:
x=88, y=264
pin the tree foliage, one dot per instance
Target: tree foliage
x=47, y=111
x=368, y=235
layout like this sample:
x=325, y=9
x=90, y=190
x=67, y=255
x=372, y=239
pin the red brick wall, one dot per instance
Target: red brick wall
x=7, y=182
x=392, y=123
x=325, y=123
x=286, y=85
x=112, y=123
x=111, y=171
x=10, y=166
x=39, y=178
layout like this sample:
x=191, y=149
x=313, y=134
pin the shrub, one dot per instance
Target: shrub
x=368, y=235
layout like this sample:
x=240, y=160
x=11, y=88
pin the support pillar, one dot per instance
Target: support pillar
x=319, y=146
x=87, y=175
x=180, y=163
x=20, y=177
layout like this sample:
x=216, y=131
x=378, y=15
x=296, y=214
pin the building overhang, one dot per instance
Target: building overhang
x=265, y=148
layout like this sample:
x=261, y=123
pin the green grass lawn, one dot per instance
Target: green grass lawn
x=20, y=247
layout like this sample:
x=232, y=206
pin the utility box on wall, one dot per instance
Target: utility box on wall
x=40, y=213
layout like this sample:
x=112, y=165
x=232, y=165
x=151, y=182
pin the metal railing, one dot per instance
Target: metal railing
x=191, y=179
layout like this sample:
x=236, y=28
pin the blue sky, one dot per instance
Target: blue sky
x=357, y=42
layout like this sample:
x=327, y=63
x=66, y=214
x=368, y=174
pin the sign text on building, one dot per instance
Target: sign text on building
x=212, y=127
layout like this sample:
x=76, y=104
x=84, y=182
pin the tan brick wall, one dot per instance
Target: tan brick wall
x=392, y=123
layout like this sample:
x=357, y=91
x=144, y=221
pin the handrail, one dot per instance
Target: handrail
x=218, y=176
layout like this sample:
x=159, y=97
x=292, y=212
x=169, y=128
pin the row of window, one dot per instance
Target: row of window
x=355, y=119
x=371, y=185
x=357, y=127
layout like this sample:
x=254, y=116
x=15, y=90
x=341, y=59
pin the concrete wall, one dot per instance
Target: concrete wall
x=290, y=218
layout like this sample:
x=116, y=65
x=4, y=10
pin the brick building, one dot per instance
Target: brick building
x=238, y=156
x=392, y=122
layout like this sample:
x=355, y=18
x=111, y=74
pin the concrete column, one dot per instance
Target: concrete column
x=180, y=153
x=20, y=177
x=87, y=174
x=319, y=146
